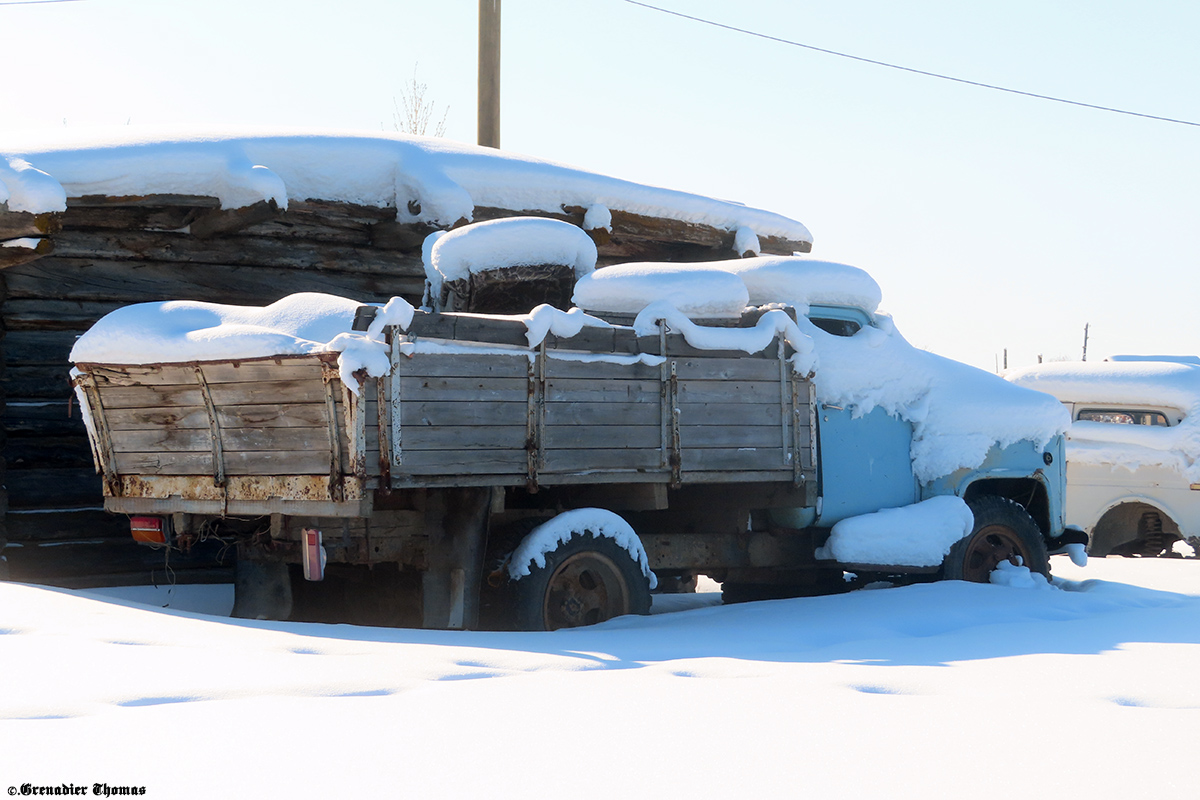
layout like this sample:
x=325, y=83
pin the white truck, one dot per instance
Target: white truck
x=1133, y=451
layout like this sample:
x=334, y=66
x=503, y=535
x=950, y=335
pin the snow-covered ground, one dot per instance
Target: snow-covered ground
x=1090, y=689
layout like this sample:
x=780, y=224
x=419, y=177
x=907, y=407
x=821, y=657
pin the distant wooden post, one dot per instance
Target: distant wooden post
x=489, y=73
x=1085, y=337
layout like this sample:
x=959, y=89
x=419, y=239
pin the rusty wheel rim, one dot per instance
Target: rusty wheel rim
x=585, y=588
x=989, y=546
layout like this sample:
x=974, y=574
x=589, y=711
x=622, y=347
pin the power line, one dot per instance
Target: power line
x=909, y=69
x=35, y=2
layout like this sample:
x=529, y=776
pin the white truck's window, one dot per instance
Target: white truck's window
x=1124, y=417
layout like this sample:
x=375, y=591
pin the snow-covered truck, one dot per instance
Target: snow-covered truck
x=755, y=420
x=1133, y=450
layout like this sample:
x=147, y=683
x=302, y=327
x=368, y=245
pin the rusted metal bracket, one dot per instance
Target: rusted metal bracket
x=328, y=376
x=535, y=418
x=356, y=430
x=664, y=399
x=214, y=429
x=797, y=465
x=676, y=451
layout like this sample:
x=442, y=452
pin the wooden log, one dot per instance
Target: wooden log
x=39, y=381
x=30, y=347
x=134, y=282
x=65, y=523
x=20, y=224
x=640, y=237
x=243, y=250
x=54, y=314
x=52, y=488
x=37, y=452
x=38, y=418
x=232, y=220
x=16, y=252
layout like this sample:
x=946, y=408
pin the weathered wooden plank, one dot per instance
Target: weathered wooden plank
x=602, y=414
x=565, y=369
x=744, y=458
x=133, y=282
x=465, y=366
x=598, y=390
x=732, y=436
x=464, y=437
x=510, y=390
x=592, y=459
x=483, y=413
x=727, y=369
x=270, y=415
x=729, y=414
x=598, y=340
x=460, y=462
x=232, y=439
x=273, y=462
x=748, y=392
x=223, y=394
x=285, y=368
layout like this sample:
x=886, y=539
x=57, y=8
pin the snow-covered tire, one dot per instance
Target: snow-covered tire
x=586, y=580
x=1003, y=531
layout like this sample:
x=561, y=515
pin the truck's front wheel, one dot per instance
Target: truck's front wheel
x=586, y=580
x=1003, y=531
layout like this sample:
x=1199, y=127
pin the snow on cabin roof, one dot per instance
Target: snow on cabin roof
x=703, y=290
x=1151, y=383
x=1162, y=384
x=426, y=180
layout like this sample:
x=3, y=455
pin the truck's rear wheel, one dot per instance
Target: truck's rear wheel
x=585, y=580
x=1003, y=531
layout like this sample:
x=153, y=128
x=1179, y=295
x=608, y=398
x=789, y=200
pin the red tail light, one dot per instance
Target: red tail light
x=148, y=530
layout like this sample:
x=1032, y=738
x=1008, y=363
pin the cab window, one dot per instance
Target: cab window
x=838, y=327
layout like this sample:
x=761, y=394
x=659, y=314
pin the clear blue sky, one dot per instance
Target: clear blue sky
x=991, y=221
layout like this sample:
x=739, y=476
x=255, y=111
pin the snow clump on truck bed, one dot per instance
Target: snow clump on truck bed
x=1151, y=384
x=958, y=412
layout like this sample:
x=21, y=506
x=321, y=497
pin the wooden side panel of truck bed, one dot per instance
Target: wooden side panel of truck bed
x=283, y=435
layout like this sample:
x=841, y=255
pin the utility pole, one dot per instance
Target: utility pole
x=489, y=73
x=1085, y=333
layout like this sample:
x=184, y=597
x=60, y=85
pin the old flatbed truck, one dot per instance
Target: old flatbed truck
x=411, y=494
